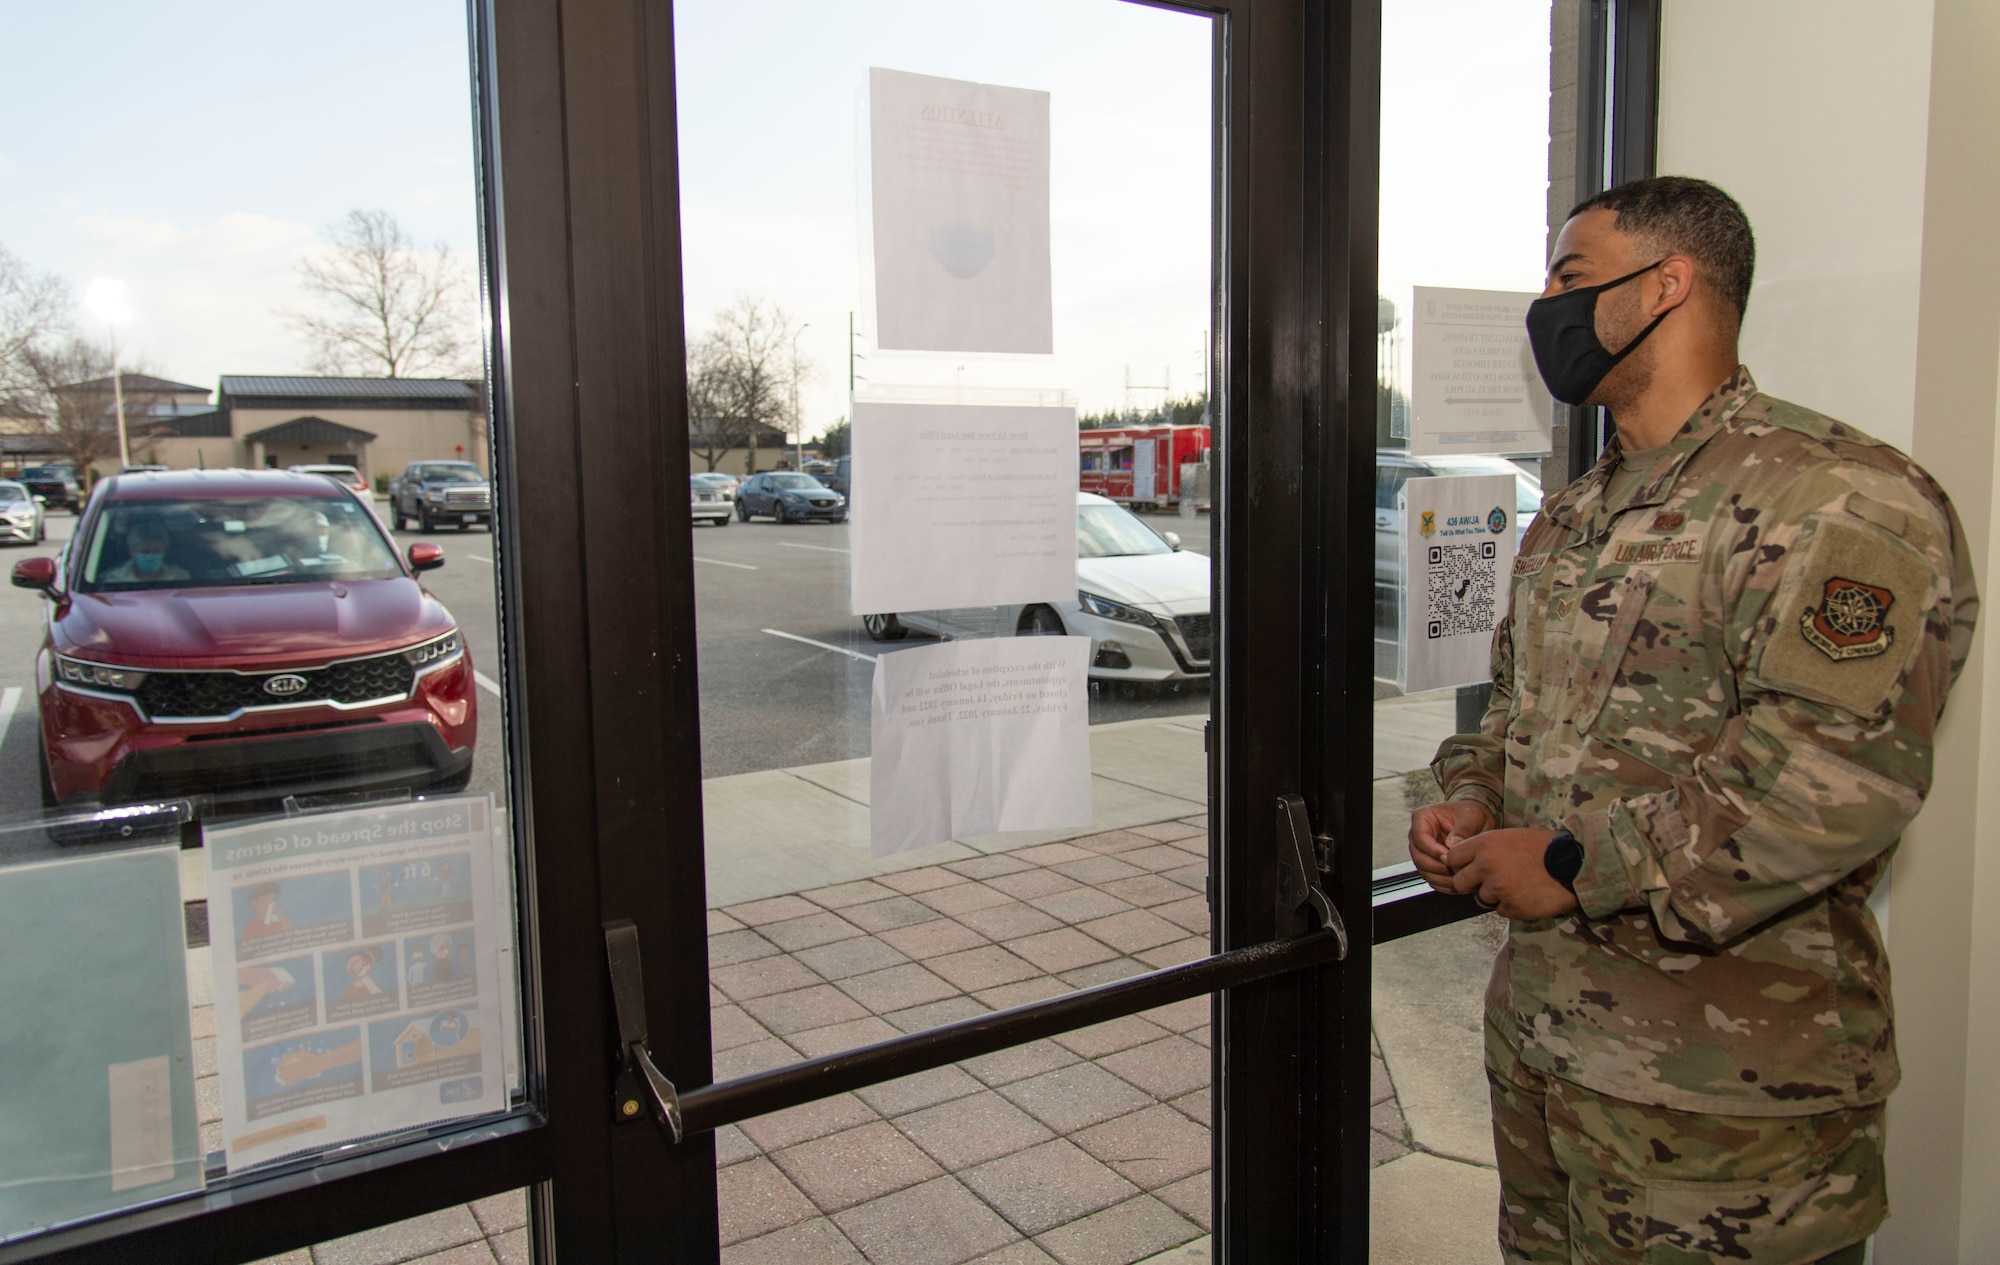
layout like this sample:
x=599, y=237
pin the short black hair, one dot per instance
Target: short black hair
x=1679, y=215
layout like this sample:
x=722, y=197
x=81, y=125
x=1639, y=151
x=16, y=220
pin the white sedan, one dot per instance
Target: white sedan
x=20, y=515
x=1143, y=603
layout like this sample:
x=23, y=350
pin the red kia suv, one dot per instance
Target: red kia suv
x=239, y=637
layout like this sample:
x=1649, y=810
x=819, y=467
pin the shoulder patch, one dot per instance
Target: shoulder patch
x=1849, y=618
x=1849, y=622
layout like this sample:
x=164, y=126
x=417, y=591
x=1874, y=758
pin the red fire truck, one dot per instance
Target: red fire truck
x=1141, y=465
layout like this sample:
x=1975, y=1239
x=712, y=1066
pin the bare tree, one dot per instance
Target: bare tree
x=76, y=409
x=740, y=380
x=70, y=388
x=386, y=307
x=34, y=308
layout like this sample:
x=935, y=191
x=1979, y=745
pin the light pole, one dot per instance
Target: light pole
x=106, y=299
x=798, y=423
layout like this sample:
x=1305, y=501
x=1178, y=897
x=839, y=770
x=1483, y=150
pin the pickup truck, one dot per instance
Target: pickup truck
x=430, y=493
x=56, y=485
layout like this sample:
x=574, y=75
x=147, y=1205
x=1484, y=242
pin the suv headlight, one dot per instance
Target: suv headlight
x=98, y=675
x=433, y=494
x=433, y=652
x=1108, y=609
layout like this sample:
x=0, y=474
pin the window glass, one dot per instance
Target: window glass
x=892, y=846
x=1466, y=100
x=252, y=673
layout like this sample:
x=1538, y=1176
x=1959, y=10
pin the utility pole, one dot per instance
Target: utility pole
x=798, y=423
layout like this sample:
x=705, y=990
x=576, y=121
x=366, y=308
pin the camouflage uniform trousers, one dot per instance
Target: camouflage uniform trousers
x=1590, y=1180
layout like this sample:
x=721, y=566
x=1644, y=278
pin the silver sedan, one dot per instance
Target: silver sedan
x=20, y=515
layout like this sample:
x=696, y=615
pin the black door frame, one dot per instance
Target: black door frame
x=575, y=120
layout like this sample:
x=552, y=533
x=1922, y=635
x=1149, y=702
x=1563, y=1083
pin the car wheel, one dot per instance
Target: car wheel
x=743, y=510
x=720, y=522
x=424, y=523
x=1040, y=621
x=884, y=627
x=778, y=514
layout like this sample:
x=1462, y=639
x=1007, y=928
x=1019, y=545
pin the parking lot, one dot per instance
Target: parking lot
x=785, y=669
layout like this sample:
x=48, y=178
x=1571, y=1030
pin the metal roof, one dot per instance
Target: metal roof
x=244, y=388
x=309, y=430
x=144, y=382
x=207, y=424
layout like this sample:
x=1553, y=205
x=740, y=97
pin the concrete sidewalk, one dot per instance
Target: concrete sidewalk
x=784, y=830
x=1087, y=1149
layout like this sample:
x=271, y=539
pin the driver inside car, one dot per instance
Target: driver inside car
x=146, y=555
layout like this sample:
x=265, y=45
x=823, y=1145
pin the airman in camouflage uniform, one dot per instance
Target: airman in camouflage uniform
x=1721, y=670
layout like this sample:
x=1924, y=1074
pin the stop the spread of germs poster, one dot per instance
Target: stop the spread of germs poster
x=356, y=974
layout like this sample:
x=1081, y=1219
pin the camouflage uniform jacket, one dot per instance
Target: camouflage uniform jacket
x=1726, y=683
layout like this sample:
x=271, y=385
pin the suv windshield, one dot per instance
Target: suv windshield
x=1106, y=531
x=795, y=481
x=450, y=472
x=46, y=472
x=216, y=543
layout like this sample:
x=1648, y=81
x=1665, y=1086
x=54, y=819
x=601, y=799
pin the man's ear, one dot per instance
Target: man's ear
x=1676, y=275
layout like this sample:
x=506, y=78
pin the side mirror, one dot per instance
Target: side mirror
x=1173, y=540
x=41, y=500
x=423, y=557
x=35, y=573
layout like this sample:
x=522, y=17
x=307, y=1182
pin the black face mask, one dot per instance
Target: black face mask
x=1562, y=330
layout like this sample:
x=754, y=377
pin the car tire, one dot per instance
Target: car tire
x=424, y=523
x=1040, y=621
x=720, y=522
x=884, y=628
x=778, y=514
x=743, y=510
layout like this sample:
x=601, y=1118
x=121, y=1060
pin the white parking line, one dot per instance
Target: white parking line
x=852, y=654
x=486, y=683
x=476, y=558
x=822, y=548
x=717, y=562
x=7, y=701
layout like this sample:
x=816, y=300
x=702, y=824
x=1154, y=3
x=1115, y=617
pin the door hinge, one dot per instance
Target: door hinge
x=1302, y=858
x=640, y=1082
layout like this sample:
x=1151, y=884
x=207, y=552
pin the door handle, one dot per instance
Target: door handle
x=1299, y=870
x=639, y=1079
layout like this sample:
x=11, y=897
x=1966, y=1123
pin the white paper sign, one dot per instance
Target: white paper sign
x=357, y=988
x=977, y=737
x=961, y=210
x=961, y=505
x=1459, y=536
x=1473, y=383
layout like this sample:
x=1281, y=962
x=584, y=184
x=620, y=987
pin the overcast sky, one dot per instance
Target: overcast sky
x=197, y=150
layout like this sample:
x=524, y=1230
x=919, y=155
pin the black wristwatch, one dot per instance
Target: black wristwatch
x=1563, y=859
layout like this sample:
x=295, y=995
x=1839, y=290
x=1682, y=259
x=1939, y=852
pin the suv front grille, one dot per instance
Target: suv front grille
x=1195, y=632
x=467, y=498
x=210, y=695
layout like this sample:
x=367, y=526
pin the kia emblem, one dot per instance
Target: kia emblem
x=285, y=686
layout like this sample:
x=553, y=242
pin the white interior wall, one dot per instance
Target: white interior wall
x=1851, y=130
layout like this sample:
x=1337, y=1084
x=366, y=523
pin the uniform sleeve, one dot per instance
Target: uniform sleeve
x=1472, y=766
x=1846, y=626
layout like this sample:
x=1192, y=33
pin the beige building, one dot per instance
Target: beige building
x=377, y=425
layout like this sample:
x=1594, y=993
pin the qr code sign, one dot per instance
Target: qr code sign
x=1460, y=582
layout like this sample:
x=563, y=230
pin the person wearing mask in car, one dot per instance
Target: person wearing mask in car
x=1716, y=689
x=146, y=560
